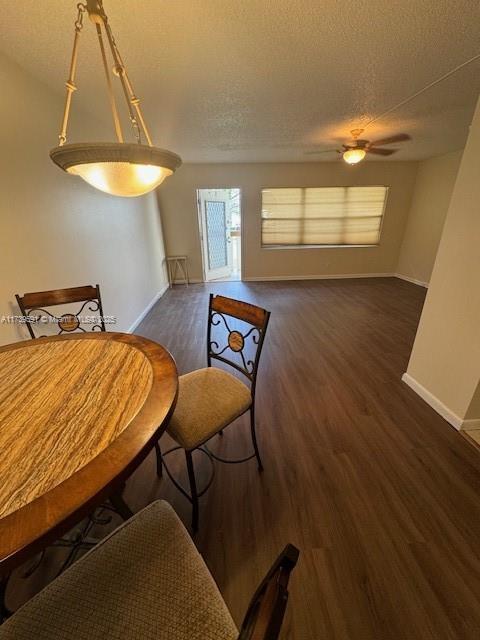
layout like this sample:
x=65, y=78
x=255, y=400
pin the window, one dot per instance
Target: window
x=322, y=216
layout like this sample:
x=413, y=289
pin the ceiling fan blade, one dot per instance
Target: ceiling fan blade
x=310, y=153
x=381, y=152
x=400, y=137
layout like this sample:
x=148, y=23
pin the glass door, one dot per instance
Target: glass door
x=216, y=207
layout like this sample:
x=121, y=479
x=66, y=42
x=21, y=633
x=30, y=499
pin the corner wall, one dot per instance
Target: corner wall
x=431, y=197
x=444, y=366
x=55, y=230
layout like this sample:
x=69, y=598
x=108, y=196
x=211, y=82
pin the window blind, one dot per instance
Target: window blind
x=322, y=216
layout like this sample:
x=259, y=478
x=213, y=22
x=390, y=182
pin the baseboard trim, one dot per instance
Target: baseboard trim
x=326, y=276
x=460, y=424
x=149, y=306
x=412, y=280
x=434, y=402
x=323, y=276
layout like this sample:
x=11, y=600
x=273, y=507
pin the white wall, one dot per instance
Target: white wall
x=444, y=365
x=177, y=198
x=55, y=230
x=431, y=196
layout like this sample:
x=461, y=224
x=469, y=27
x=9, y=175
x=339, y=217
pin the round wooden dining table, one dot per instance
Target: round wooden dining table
x=78, y=414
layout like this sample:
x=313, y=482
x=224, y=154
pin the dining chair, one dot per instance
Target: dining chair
x=210, y=399
x=147, y=581
x=34, y=307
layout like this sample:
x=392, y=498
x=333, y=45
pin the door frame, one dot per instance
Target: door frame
x=200, y=227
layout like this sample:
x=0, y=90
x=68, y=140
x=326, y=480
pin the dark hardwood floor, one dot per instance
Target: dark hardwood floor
x=380, y=494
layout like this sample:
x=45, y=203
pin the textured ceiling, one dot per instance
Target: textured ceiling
x=267, y=80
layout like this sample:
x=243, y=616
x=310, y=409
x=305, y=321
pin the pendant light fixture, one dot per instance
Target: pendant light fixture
x=119, y=168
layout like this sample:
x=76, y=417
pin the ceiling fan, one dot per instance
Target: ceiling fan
x=353, y=153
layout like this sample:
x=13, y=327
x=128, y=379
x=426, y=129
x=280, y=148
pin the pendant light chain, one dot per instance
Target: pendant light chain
x=133, y=98
x=133, y=103
x=120, y=70
x=70, y=84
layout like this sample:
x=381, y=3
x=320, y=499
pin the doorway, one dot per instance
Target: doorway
x=220, y=224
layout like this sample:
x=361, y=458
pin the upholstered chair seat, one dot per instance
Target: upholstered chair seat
x=211, y=399
x=208, y=400
x=146, y=581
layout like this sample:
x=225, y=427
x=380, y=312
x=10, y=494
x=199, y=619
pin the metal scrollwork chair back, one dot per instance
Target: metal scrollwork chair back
x=221, y=309
x=34, y=307
x=211, y=399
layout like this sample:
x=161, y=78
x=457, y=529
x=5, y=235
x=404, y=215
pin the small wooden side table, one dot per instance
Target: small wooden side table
x=173, y=264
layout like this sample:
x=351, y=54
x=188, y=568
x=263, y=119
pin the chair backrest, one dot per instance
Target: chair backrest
x=33, y=307
x=264, y=616
x=221, y=310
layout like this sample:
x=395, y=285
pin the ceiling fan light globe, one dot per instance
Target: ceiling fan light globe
x=353, y=156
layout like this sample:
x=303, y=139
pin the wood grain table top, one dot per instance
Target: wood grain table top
x=77, y=414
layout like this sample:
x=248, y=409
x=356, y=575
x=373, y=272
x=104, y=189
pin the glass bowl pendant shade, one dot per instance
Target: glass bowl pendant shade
x=119, y=168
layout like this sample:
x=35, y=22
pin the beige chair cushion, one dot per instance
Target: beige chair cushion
x=146, y=581
x=208, y=400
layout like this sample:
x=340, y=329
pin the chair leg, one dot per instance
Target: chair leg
x=120, y=506
x=193, y=490
x=158, y=454
x=4, y=610
x=254, y=438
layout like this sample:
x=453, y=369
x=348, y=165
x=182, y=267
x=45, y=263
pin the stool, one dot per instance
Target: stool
x=173, y=263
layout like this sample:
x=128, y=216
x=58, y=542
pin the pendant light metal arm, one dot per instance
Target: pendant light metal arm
x=133, y=99
x=70, y=84
x=99, y=17
x=111, y=95
x=118, y=168
x=120, y=69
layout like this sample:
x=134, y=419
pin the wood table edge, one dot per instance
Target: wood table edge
x=29, y=544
